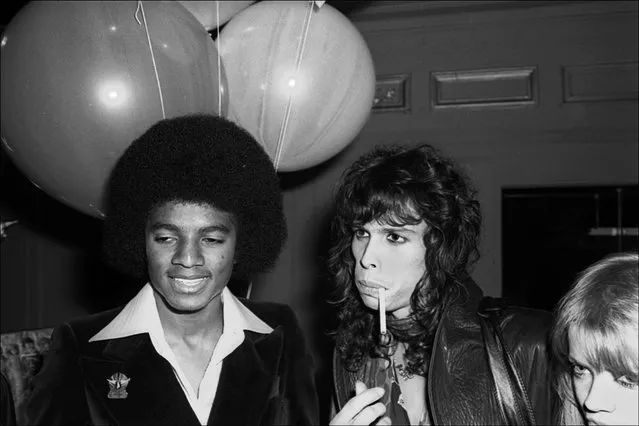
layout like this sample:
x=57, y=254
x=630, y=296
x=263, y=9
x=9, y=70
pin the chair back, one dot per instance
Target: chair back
x=22, y=355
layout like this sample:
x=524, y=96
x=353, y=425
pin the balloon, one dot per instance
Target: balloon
x=206, y=11
x=304, y=95
x=80, y=83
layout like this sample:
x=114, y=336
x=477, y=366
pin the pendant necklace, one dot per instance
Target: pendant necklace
x=402, y=371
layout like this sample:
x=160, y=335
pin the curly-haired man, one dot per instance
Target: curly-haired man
x=409, y=344
x=192, y=201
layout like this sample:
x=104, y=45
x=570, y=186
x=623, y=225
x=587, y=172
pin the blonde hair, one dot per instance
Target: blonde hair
x=601, y=303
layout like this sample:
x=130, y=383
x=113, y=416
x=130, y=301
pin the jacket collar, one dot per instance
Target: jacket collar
x=140, y=315
x=155, y=397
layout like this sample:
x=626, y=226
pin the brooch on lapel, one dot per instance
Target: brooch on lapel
x=117, y=386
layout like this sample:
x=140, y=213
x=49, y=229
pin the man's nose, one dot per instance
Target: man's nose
x=188, y=254
x=370, y=256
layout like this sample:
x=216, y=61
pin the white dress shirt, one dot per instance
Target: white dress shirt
x=140, y=315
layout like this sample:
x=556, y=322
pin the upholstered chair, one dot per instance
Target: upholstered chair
x=21, y=358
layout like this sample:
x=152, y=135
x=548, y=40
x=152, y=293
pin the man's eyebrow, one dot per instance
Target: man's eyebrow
x=160, y=225
x=170, y=227
x=391, y=228
x=216, y=228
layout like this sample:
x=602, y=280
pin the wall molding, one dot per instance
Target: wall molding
x=398, y=9
x=392, y=93
x=600, y=82
x=401, y=16
x=498, y=87
x=382, y=10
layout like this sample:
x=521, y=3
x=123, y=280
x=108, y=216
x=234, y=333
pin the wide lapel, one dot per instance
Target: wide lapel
x=248, y=379
x=152, y=395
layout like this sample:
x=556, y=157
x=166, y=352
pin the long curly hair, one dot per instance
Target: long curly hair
x=195, y=158
x=401, y=185
x=602, y=302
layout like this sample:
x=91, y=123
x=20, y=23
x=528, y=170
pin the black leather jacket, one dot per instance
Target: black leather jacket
x=459, y=386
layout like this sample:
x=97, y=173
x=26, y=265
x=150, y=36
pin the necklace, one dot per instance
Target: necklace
x=399, y=366
x=403, y=372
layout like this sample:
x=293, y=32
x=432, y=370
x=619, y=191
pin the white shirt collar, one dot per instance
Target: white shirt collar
x=140, y=315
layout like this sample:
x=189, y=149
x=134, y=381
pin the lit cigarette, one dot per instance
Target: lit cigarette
x=382, y=310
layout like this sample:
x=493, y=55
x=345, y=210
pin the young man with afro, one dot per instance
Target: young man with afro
x=192, y=201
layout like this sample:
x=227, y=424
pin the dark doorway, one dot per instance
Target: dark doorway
x=551, y=234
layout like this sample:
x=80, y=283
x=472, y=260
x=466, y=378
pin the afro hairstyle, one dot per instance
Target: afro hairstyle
x=194, y=158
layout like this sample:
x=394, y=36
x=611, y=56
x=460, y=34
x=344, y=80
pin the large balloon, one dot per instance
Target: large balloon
x=207, y=11
x=81, y=80
x=300, y=79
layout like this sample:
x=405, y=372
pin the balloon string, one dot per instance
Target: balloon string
x=155, y=68
x=219, y=59
x=298, y=63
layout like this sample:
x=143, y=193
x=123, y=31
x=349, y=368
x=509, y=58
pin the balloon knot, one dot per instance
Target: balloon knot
x=138, y=11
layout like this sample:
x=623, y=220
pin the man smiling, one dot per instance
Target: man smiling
x=192, y=202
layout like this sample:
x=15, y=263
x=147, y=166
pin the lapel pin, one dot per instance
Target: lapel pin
x=117, y=386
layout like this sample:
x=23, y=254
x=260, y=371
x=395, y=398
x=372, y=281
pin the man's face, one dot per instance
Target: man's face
x=390, y=257
x=190, y=250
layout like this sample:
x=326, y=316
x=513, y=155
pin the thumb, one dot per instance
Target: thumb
x=359, y=387
x=384, y=421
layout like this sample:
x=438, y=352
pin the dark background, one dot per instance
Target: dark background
x=547, y=239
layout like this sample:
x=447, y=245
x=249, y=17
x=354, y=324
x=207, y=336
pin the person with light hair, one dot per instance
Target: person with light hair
x=594, y=344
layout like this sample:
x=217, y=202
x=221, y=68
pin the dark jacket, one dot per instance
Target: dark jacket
x=267, y=380
x=7, y=409
x=459, y=385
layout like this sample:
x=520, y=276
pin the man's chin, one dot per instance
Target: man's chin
x=183, y=304
x=370, y=301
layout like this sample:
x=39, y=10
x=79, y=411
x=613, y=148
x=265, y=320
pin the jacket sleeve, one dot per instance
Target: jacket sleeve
x=58, y=396
x=528, y=336
x=298, y=403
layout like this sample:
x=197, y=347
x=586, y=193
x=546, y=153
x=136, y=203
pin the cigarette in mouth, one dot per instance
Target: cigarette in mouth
x=382, y=310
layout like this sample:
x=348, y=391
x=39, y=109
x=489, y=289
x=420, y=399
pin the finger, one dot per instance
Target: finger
x=359, y=387
x=384, y=421
x=361, y=401
x=369, y=414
